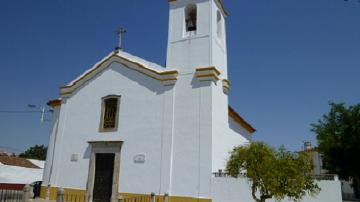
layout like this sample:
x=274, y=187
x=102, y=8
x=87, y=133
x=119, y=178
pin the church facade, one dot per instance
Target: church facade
x=130, y=127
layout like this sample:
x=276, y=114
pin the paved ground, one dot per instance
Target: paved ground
x=41, y=200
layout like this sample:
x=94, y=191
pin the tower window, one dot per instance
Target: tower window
x=109, y=113
x=191, y=17
x=219, y=24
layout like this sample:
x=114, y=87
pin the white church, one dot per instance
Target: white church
x=128, y=127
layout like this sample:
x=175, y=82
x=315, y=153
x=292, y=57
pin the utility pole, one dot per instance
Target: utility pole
x=42, y=110
x=42, y=114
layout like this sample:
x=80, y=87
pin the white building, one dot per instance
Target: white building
x=131, y=127
x=14, y=170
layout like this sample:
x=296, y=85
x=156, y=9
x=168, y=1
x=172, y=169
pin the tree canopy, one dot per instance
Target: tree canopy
x=273, y=173
x=338, y=136
x=36, y=152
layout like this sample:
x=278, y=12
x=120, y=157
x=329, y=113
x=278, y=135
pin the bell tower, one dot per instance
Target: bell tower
x=197, y=35
x=199, y=99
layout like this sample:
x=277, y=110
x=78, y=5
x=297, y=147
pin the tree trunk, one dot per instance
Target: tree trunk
x=253, y=193
x=262, y=197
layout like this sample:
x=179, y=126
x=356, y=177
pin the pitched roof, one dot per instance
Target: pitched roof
x=240, y=120
x=16, y=161
x=155, y=71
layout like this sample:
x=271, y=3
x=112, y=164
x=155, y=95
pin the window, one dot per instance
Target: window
x=109, y=113
x=219, y=24
x=191, y=17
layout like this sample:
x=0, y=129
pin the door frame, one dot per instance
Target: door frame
x=104, y=147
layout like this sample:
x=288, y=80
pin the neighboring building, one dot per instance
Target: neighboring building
x=17, y=170
x=133, y=127
x=322, y=174
x=316, y=158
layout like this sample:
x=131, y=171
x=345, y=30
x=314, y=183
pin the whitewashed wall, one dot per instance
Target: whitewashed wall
x=19, y=175
x=182, y=130
x=238, y=190
x=140, y=127
x=171, y=125
x=226, y=132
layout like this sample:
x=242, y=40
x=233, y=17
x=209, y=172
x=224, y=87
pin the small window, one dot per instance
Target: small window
x=109, y=113
x=219, y=24
x=191, y=17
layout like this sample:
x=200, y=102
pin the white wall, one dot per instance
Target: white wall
x=189, y=52
x=19, y=175
x=182, y=130
x=218, y=44
x=238, y=190
x=226, y=132
x=140, y=127
x=203, y=48
x=170, y=125
x=48, y=168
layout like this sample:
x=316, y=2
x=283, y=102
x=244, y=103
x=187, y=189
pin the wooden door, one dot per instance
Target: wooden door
x=103, y=182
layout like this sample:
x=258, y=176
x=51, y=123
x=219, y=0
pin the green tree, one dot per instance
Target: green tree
x=273, y=173
x=35, y=152
x=338, y=136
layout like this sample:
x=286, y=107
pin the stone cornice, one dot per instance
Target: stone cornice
x=226, y=86
x=207, y=74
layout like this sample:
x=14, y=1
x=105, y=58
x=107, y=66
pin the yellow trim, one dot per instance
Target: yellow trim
x=241, y=121
x=53, y=192
x=207, y=75
x=138, y=64
x=54, y=103
x=227, y=81
x=160, y=198
x=226, y=86
x=82, y=193
x=88, y=73
x=187, y=199
x=222, y=7
x=173, y=73
x=66, y=93
x=147, y=68
x=209, y=69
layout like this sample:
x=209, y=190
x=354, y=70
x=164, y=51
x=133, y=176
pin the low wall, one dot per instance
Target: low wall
x=7, y=186
x=226, y=189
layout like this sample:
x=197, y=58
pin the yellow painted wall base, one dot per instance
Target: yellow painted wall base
x=70, y=194
x=52, y=195
x=79, y=195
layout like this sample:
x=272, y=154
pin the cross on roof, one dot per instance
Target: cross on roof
x=120, y=32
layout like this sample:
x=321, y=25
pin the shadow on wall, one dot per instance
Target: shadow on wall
x=196, y=83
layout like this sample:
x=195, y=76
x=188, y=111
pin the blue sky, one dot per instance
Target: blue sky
x=287, y=58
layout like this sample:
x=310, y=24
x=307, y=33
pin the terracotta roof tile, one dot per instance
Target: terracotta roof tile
x=16, y=161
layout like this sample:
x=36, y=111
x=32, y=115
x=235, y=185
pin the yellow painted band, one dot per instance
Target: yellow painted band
x=172, y=72
x=123, y=58
x=207, y=75
x=78, y=192
x=208, y=69
x=52, y=195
